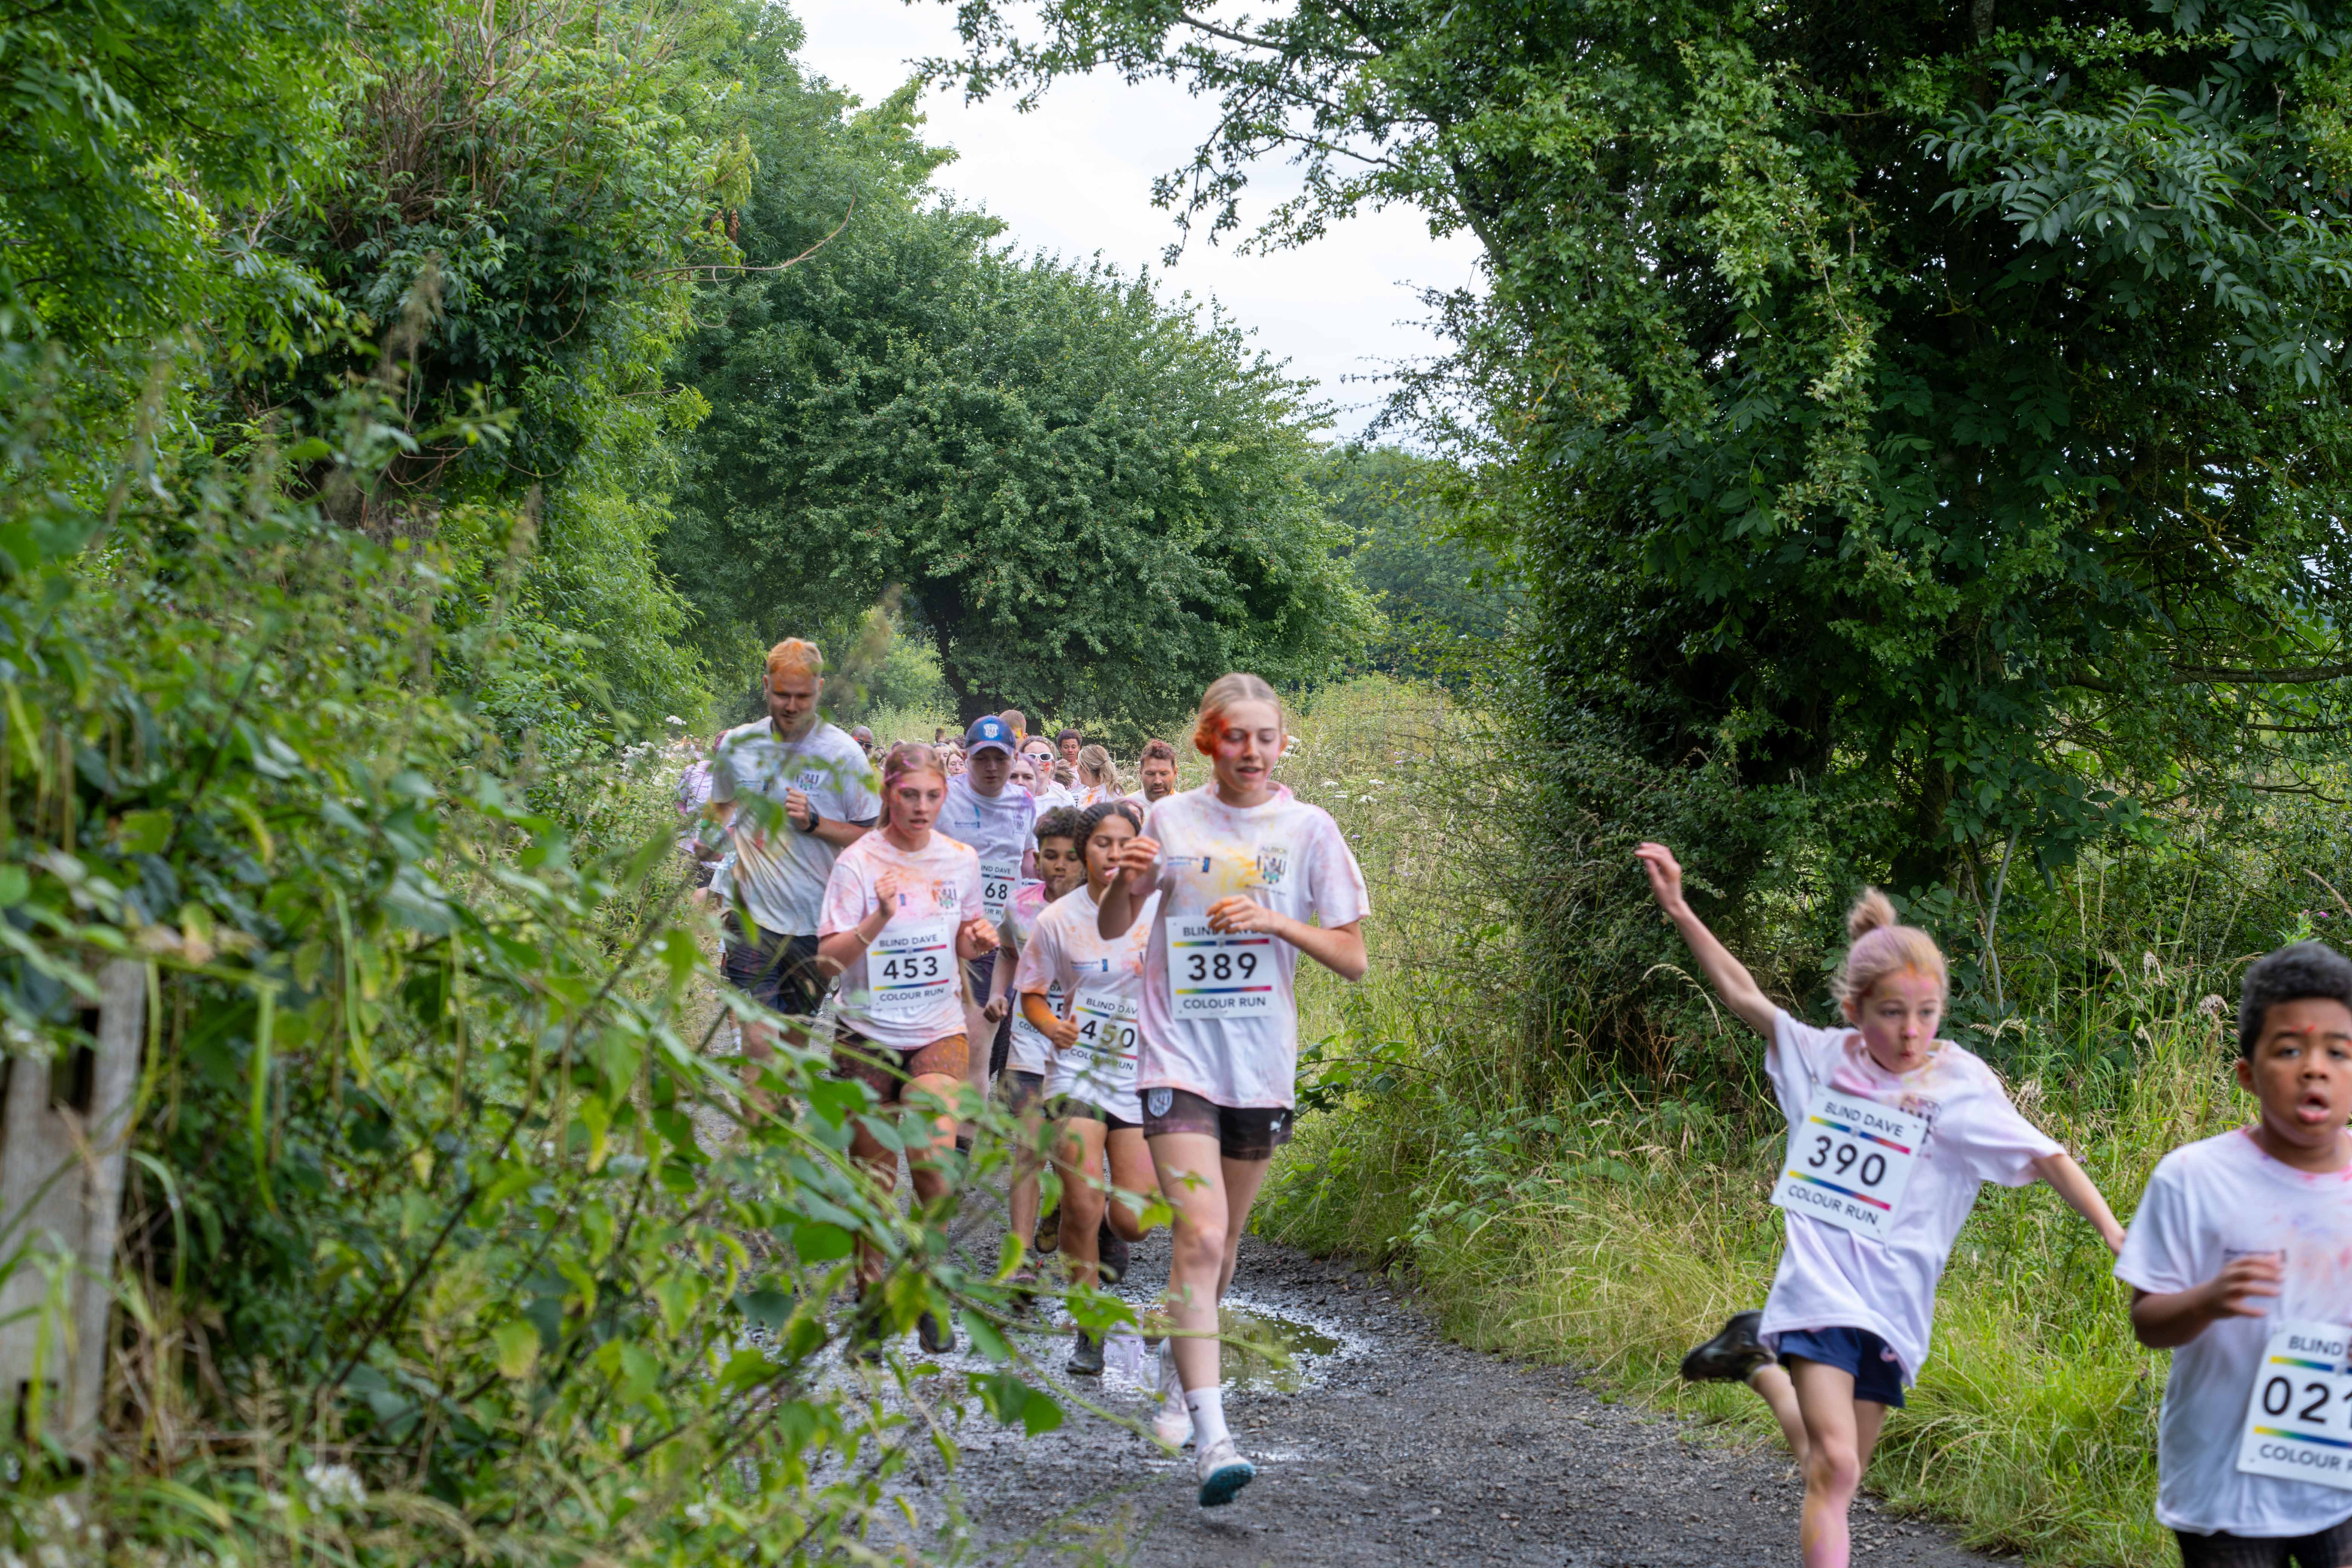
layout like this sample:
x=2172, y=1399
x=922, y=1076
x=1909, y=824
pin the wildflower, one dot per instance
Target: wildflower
x=698, y=1514
x=336, y=1486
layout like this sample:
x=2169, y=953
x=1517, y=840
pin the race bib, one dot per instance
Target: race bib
x=2299, y=1416
x=1849, y=1162
x=1106, y=1029
x=1218, y=975
x=997, y=880
x=911, y=965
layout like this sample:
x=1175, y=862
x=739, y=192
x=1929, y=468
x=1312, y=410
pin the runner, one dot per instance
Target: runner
x=1241, y=870
x=901, y=907
x=1038, y=752
x=1097, y=776
x=1870, y=1223
x=1028, y=1054
x=986, y=812
x=1156, y=770
x=693, y=797
x=2242, y=1239
x=1092, y=1085
x=790, y=793
x=1069, y=743
x=865, y=739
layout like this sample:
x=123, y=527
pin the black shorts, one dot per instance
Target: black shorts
x=1022, y=1090
x=1243, y=1132
x=776, y=971
x=1877, y=1375
x=2330, y=1548
x=1066, y=1107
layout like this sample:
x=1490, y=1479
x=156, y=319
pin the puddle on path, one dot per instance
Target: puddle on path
x=1268, y=1351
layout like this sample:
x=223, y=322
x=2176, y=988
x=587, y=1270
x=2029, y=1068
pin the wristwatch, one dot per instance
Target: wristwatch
x=815, y=821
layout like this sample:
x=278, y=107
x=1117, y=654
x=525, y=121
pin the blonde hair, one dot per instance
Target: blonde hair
x=1224, y=692
x=1096, y=760
x=907, y=757
x=1883, y=946
x=796, y=656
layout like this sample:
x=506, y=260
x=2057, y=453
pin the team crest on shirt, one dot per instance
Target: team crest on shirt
x=1273, y=861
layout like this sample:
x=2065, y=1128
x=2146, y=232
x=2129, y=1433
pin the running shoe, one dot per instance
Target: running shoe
x=868, y=1342
x=1224, y=1472
x=1048, y=1233
x=934, y=1331
x=1085, y=1356
x=1171, y=1418
x=1731, y=1355
x=1111, y=1252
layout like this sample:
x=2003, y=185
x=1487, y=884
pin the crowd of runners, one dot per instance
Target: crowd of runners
x=1115, y=958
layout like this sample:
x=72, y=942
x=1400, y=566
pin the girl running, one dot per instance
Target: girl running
x=1030, y=1055
x=1241, y=868
x=1894, y=1130
x=1097, y=776
x=902, y=911
x=1091, y=1086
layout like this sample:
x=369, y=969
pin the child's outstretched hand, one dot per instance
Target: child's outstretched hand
x=1665, y=874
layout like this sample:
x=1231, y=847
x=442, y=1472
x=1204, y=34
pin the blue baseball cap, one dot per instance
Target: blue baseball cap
x=986, y=733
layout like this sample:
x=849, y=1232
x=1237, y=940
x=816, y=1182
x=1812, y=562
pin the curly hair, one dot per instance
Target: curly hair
x=2294, y=972
x=1062, y=821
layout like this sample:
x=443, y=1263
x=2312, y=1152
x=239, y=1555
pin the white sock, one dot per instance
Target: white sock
x=1208, y=1407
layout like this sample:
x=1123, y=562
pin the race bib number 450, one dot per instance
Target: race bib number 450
x=911, y=965
x=1849, y=1162
x=1105, y=1028
x=1218, y=975
x=2299, y=1416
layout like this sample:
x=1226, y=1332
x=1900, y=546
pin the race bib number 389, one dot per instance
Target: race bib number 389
x=911, y=965
x=2299, y=1416
x=1218, y=975
x=1849, y=1162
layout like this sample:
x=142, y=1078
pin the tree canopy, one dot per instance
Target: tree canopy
x=1940, y=403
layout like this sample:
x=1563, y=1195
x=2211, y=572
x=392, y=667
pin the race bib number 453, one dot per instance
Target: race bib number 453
x=1218, y=975
x=1849, y=1162
x=2299, y=1416
x=911, y=965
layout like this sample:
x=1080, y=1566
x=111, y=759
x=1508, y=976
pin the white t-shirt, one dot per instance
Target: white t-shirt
x=2208, y=1201
x=1104, y=981
x=999, y=827
x=1028, y=1051
x=779, y=873
x=1290, y=857
x=1831, y=1277
x=945, y=888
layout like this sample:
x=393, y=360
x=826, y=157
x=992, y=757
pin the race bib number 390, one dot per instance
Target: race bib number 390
x=2299, y=1416
x=911, y=965
x=1218, y=975
x=1849, y=1162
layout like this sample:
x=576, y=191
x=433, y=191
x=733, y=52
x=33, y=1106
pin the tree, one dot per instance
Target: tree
x=1939, y=404
x=1435, y=587
x=1096, y=501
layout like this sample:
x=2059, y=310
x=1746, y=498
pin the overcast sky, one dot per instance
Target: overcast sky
x=1073, y=178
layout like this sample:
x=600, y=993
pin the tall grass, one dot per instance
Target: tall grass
x=1614, y=1218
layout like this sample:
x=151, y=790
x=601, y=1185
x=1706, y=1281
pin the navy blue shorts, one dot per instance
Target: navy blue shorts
x=1877, y=1375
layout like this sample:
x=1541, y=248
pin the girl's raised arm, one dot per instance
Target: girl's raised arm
x=1726, y=973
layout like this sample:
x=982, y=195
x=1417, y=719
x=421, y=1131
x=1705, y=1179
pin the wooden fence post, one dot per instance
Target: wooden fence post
x=64, y=1143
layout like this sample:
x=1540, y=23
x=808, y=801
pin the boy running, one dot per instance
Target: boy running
x=1029, y=1055
x=2242, y=1242
x=1891, y=1131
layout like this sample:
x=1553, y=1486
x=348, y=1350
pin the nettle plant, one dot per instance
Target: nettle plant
x=443, y=1240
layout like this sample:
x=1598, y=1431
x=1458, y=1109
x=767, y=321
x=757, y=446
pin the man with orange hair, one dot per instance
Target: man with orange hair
x=790, y=792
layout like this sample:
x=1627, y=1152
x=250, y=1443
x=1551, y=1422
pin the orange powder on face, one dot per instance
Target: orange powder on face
x=1208, y=733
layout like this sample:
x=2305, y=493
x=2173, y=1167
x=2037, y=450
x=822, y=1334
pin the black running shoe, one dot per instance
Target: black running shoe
x=1110, y=1249
x=934, y=1331
x=1085, y=1356
x=1048, y=1233
x=1731, y=1355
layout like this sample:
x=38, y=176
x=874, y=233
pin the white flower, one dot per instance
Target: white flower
x=336, y=1486
x=698, y=1514
x=1330, y=784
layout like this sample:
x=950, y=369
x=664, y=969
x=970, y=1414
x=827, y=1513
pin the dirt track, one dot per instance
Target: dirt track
x=1391, y=1448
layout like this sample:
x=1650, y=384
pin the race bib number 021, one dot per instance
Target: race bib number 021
x=911, y=965
x=2299, y=1416
x=1218, y=975
x=997, y=880
x=1849, y=1162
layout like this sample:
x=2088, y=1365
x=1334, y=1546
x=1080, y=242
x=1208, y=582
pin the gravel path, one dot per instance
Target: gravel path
x=1390, y=1446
